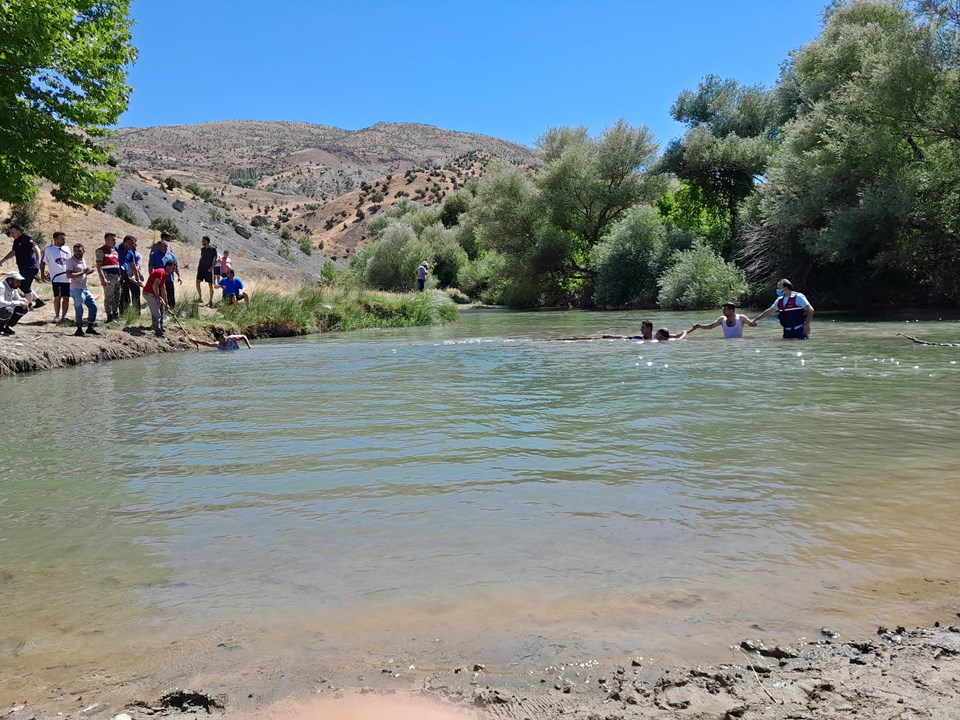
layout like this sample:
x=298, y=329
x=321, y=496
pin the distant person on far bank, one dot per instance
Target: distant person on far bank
x=233, y=291
x=27, y=255
x=422, y=270
x=53, y=267
x=731, y=322
x=78, y=271
x=13, y=305
x=226, y=263
x=793, y=310
x=208, y=258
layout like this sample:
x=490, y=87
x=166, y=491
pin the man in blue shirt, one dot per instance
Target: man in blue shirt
x=233, y=290
x=159, y=257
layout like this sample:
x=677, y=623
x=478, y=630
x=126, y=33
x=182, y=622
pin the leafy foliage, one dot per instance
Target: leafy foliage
x=867, y=175
x=700, y=279
x=124, y=212
x=628, y=259
x=165, y=225
x=63, y=83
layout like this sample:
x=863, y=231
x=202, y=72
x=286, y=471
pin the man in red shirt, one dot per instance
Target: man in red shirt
x=155, y=295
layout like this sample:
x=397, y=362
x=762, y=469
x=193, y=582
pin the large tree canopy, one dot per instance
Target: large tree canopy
x=868, y=174
x=63, y=66
x=732, y=129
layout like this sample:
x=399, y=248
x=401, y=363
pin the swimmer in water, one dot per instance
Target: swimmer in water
x=663, y=335
x=222, y=342
x=646, y=332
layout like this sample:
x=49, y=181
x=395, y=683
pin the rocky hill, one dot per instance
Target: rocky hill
x=304, y=185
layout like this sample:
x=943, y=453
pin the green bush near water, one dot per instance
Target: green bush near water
x=318, y=310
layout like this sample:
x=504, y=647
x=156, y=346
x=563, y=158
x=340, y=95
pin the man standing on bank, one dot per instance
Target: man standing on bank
x=794, y=310
x=208, y=257
x=53, y=267
x=77, y=271
x=108, y=269
x=422, y=270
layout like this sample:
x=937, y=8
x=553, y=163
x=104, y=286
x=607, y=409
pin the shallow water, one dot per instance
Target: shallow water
x=476, y=492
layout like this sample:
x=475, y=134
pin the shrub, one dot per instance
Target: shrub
x=305, y=244
x=284, y=252
x=124, y=212
x=700, y=279
x=165, y=225
x=244, y=177
x=171, y=183
x=628, y=259
x=197, y=191
x=330, y=274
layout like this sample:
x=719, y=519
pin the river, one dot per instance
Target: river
x=476, y=492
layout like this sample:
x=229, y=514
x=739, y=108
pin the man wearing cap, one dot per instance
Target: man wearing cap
x=13, y=305
x=28, y=261
x=108, y=269
x=422, y=275
x=53, y=267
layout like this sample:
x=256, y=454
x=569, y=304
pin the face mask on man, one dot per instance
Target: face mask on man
x=779, y=292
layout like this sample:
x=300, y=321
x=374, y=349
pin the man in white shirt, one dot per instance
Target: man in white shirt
x=53, y=267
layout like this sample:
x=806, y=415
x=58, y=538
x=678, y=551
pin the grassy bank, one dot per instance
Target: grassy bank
x=312, y=310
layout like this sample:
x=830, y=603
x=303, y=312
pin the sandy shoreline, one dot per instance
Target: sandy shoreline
x=895, y=673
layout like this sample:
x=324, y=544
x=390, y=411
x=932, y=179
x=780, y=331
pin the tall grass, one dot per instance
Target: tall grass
x=274, y=314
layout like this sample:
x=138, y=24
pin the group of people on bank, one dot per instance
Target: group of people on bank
x=120, y=272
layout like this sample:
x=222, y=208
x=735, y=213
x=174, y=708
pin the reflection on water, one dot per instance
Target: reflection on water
x=515, y=496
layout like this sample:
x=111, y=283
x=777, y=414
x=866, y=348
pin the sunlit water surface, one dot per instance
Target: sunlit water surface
x=476, y=492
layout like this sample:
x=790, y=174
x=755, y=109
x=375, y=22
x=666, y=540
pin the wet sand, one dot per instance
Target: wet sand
x=896, y=673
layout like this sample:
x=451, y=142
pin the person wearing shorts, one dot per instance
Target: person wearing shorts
x=205, y=268
x=233, y=291
x=53, y=267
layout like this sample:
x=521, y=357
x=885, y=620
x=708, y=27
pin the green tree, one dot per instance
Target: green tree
x=866, y=181
x=699, y=279
x=628, y=259
x=63, y=71
x=731, y=131
x=547, y=225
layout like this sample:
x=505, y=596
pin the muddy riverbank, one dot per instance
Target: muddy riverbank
x=896, y=673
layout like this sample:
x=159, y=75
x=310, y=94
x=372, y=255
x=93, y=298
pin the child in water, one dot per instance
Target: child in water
x=663, y=335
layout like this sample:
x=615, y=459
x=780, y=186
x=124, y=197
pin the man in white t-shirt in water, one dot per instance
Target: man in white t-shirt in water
x=794, y=310
x=731, y=322
x=53, y=267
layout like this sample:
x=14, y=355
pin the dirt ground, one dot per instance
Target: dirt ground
x=895, y=674
x=41, y=345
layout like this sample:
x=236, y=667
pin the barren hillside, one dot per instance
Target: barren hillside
x=308, y=183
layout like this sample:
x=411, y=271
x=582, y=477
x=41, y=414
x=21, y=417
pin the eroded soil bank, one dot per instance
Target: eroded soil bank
x=895, y=674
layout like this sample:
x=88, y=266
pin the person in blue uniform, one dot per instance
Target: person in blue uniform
x=793, y=310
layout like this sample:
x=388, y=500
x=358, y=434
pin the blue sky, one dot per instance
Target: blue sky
x=507, y=69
